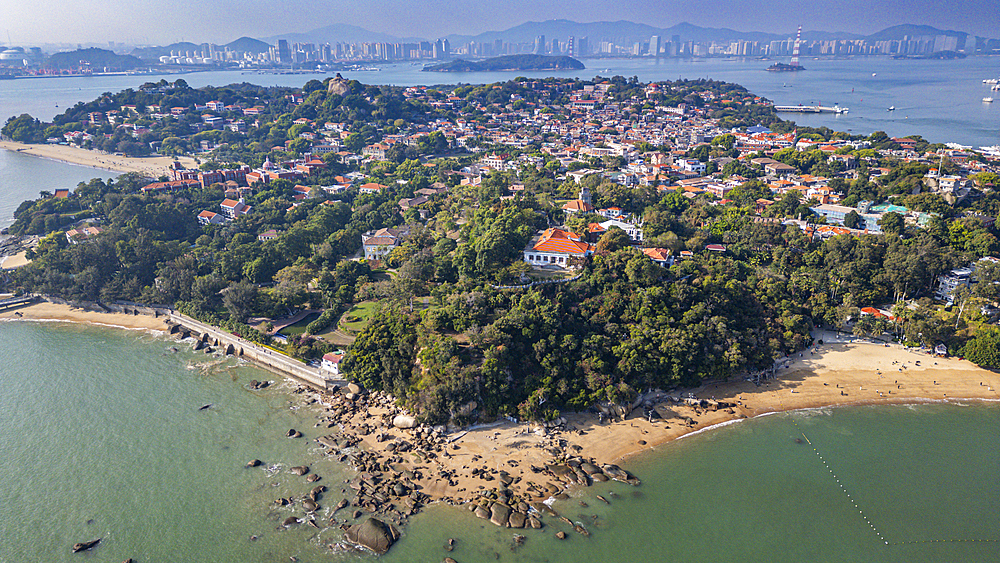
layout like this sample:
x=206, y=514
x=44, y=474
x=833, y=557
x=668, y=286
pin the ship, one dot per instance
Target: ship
x=794, y=65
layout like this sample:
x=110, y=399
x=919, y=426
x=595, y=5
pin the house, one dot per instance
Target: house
x=580, y=205
x=378, y=244
x=634, y=232
x=659, y=256
x=269, y=234
x=407, y=203
x=76, y=236
x=331, y=363
x=556, y=247
x=371, y=188
x=210, y=218
x=61, y=193
x=948, y=283
x=234, y=208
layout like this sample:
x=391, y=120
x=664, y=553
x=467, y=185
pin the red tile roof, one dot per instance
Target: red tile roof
x=578, y=205
x=560, y=241
x=658, y=254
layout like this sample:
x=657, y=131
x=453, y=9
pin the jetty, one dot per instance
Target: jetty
x=811, y=109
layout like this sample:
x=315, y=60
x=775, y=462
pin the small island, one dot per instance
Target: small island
x=509, y=62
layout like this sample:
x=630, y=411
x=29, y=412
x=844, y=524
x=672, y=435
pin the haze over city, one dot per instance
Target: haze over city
x=163, y=22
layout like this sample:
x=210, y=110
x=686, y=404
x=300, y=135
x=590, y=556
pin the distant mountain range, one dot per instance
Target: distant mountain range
x=243, y=44
x=620, y=32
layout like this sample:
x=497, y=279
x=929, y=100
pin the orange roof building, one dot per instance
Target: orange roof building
x=555, y=247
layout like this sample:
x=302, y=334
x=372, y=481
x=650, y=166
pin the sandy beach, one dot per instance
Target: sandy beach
x=45, y=311
x=460, y=466
x=152, y=166
x=15, y=261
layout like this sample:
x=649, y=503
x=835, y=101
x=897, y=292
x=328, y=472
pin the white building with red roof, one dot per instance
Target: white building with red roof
x=234, y=208
x=556, y=247
x=210, y=218
x=331, y=363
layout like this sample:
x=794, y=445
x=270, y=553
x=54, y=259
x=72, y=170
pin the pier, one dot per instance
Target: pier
x=810, y=109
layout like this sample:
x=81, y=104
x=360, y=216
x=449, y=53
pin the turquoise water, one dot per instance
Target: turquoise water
x=101, y=436
x=750, y=492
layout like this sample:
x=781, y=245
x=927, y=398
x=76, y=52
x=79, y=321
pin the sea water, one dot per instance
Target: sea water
x=102, y=435
x=903, y=484
x=941, y=100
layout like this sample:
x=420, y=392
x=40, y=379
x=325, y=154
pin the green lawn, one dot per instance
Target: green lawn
x=358, y=315
x=299, y=327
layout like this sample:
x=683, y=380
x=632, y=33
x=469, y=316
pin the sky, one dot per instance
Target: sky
x=160, y=22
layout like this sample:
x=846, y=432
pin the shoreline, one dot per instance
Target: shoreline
x=467, y=466
x=152, y=166
x=522, y=465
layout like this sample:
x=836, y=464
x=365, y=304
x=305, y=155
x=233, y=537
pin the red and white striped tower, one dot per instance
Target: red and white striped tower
x=795, y=51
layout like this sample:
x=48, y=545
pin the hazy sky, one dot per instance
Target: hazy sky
x=31, y=22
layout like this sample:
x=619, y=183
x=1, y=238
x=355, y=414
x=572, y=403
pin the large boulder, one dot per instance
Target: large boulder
x=499, y=514
x=338, y=85
x=373, y=534
x=404, y=421
x=517, y=520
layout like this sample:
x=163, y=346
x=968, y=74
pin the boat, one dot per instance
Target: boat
x=991, y=81
x=987, y=100
x=891, y=108
x=995, y=87
x=874, y=74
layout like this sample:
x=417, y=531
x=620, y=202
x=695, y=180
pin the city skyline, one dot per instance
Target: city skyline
x=221, y=21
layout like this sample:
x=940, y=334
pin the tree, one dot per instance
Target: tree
x=24, y=129
x=852, y=220
x=891, y=223
x=612, y=241
x=984, y=348
x=240, y=299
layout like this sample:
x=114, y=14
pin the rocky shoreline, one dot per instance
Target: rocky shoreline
x=403, y=466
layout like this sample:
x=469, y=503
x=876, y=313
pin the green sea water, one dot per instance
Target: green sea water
x=101, y=436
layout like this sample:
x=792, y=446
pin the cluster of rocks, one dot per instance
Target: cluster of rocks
x=408, y=456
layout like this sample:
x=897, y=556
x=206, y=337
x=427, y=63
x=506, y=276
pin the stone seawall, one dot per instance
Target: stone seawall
x=208, y=335
x=232, y=344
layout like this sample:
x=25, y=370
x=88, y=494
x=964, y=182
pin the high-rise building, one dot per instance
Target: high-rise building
x=582, y=47
x=284, y=53
x=540, y=45
x=571, y=46
x=654, y=45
